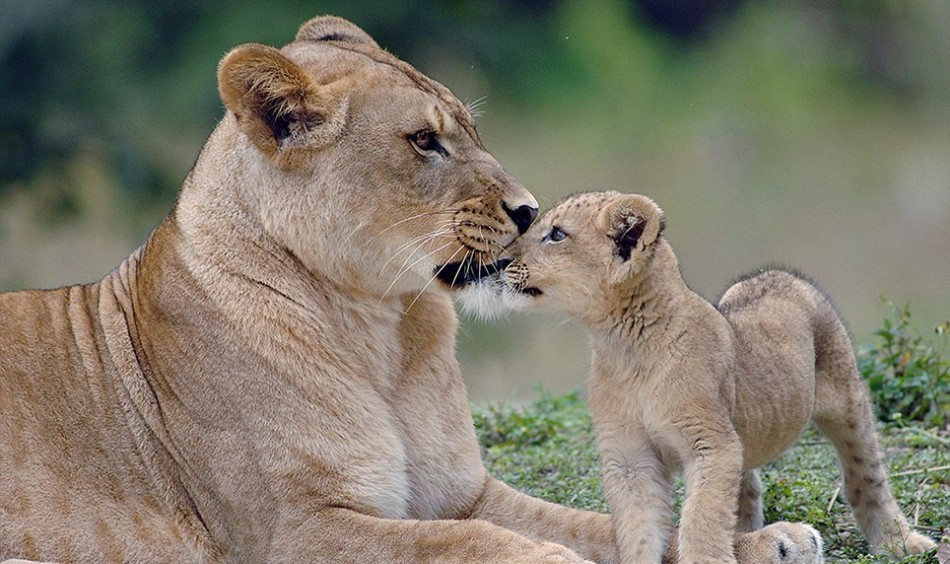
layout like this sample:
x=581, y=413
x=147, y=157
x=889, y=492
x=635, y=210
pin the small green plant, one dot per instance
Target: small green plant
x=909, y=376
x=508, y=425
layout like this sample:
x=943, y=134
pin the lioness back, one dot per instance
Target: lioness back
x=64, y=414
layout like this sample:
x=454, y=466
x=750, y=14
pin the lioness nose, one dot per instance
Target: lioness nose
x=521, y=215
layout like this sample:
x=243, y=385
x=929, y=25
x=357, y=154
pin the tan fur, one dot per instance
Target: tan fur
x=272, y=376
x=677, y=382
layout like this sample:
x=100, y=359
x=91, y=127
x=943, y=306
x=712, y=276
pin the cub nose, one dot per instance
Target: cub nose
x=521, y=215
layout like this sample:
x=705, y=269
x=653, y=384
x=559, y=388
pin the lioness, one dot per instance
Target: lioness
x=678, y=382
x=272, y=376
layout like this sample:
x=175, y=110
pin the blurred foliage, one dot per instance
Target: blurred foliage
x=129, y=78
x=909, y=376
x=133, y=79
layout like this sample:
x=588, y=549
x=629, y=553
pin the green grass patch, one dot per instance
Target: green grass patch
x=547, y=449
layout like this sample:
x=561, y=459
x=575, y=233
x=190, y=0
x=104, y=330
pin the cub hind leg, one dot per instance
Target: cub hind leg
x=843, y=413
x=750, y=514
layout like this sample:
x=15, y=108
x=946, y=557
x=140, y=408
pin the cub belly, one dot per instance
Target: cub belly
x=770, y=417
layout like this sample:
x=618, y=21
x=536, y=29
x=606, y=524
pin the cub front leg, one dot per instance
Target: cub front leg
x=637, y=488
x=713, y=469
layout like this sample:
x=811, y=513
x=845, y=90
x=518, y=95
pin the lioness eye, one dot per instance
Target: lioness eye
x=426, y=141
x=555, y=235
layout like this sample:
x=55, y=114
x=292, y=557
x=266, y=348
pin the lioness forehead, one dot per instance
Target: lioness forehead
x=370, y=66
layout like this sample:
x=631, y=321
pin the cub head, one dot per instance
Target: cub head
x=359, y=166
x=578, y=253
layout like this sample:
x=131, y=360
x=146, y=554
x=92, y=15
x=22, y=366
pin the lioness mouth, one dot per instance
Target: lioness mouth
x=464, y=272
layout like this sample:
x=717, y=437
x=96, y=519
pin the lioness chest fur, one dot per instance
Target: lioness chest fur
x=678, y=383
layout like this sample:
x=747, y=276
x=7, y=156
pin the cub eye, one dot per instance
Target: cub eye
x=556, y=235
x=426, y=142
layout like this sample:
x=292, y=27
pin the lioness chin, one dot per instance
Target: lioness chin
x=272, y=377
x=678, y=383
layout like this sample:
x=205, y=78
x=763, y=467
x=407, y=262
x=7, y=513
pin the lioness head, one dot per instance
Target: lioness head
x=578, y=253
x=363, y=169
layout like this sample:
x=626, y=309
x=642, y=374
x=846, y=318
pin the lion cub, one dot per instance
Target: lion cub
x=716, y=391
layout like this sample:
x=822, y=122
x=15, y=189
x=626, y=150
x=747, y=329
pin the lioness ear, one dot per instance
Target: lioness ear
x=632, y=221
x=276, y=103
x=332, y=28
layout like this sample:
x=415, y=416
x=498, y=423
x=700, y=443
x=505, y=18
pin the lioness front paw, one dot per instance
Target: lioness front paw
x=780, y=543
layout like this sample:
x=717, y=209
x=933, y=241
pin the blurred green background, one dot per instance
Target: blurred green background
x=811, y=133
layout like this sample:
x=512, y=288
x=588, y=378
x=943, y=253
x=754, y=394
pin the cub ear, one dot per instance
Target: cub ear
x=332, y=28
x=276, y=103
x=632, y=221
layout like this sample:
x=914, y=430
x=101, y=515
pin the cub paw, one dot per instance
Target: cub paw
x=780, y=543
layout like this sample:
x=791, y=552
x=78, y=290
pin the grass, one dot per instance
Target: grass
x=547, y=449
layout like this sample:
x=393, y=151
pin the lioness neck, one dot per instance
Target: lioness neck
x=211, y=268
